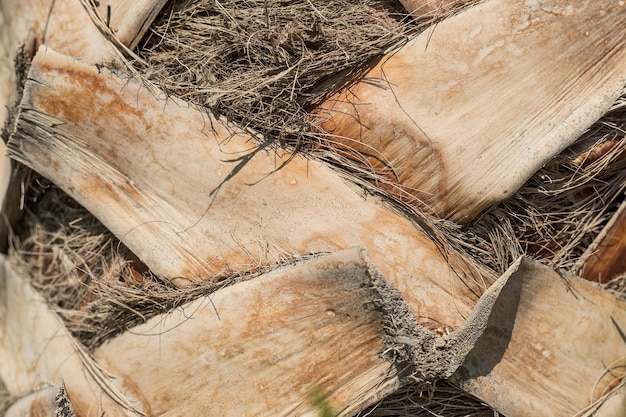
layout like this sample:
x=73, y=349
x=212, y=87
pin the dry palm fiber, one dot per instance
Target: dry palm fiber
x=556, y=215
x=77, y=265
x=263, y=64
x=258, y=63
x=440, y=400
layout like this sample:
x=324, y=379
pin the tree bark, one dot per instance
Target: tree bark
x=196, y=199
x=460, y=117
x=557, y=344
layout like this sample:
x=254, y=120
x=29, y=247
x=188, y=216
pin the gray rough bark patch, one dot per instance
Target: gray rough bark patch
x=419, y=352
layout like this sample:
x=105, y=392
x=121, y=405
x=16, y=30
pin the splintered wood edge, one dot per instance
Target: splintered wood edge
x=432, y=356
x=530, y=347
x=341, y=295
x=42, y=352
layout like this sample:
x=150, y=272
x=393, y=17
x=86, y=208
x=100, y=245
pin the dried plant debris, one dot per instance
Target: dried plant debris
x=556, y=215
x=439, y=400
x=95, y=284
x=266, y=64
x=262, y=64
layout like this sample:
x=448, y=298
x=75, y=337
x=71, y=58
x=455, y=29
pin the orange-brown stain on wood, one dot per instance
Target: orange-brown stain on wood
x=93, y=98
x=473, y=144
x=42, y=407
x=408, y=164
x=279, y=338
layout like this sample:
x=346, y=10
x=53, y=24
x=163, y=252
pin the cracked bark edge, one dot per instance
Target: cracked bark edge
x=418, y=352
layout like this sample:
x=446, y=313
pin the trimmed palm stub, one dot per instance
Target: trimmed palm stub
x=231, y=207
x=329, y=325
x=530, y=339
x=461, y=116
x=72, y=27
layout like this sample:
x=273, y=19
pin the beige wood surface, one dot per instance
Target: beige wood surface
x=66, y=26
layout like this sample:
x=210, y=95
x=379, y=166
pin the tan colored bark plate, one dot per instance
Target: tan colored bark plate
x=461, y=116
